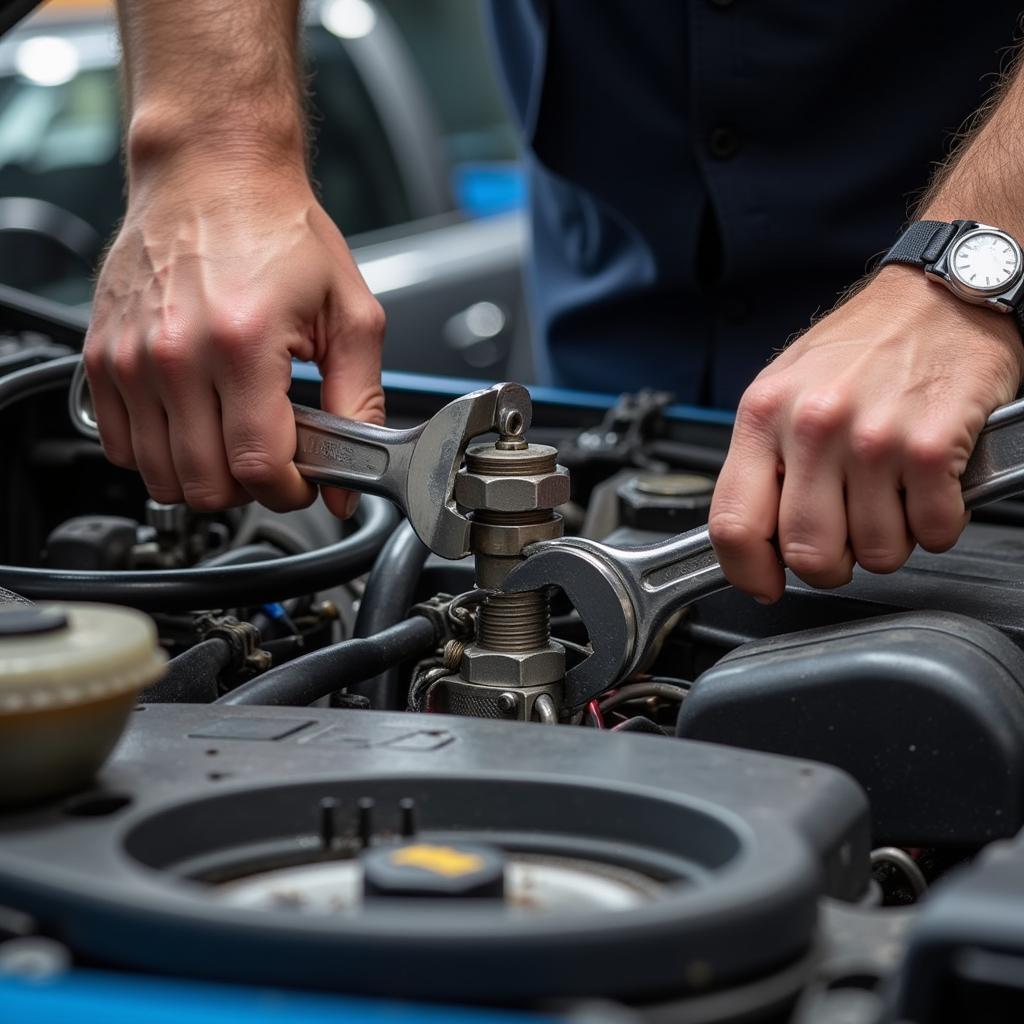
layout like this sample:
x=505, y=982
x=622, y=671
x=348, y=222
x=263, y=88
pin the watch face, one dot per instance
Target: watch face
x=985, y=261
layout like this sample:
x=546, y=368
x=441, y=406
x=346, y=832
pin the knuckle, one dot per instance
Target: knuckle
x=819, y=415
x=880, y=560
x=931, y=453
x=730, y=533
x=94, y=359
x=874, y=442
x=205, y=497
x=760, y=404
x=254, y=468
x=165, y=493
x=238, y=334
x=169, y=353
x=937, y=537
x=125, y=366
x=366, y=320
x=119, y=454
x=807, y=560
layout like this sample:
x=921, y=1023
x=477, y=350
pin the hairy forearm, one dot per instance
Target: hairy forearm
x=984, y=178
x=216, y=79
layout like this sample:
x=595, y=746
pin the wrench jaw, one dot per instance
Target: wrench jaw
x=599, y=596
x=429, y=499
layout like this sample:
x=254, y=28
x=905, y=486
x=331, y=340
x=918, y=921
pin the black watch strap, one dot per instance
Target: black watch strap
x=922, y=243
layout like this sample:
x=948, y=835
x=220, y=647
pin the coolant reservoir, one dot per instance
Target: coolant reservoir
x=69, y=676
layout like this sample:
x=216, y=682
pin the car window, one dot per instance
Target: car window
x=353, y=164
x=448, y=44
x=60, y=143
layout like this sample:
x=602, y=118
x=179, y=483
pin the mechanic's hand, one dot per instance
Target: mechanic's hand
x=211, y=287
x=849, y=447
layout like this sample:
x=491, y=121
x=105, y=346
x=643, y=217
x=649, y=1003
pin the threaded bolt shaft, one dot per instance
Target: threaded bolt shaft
x=514, y=623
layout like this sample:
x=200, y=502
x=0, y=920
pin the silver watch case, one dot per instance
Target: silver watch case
x=1005, y=298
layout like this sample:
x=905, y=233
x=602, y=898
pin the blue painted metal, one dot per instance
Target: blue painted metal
x=452, y=387
x=88, y=996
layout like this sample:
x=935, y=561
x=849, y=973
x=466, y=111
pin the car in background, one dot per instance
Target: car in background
x=413, y=158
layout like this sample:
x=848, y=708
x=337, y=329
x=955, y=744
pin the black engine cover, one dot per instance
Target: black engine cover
x=924, y=709
x=740, y=846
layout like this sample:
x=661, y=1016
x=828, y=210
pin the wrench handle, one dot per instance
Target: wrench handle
x=996, y=467
x=364, y=457
x=669, y=575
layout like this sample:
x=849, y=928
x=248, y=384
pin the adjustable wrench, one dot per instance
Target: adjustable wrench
x=414, y=468
x=625, y=596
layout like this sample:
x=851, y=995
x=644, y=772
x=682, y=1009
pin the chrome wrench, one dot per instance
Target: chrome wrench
x=414, y=468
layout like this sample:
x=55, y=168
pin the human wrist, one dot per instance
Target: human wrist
x=167, y=139
x=905, y=294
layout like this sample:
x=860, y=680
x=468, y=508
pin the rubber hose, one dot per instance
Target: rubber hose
x=178, y=590
x=390, y=592
x=34, y=380
x=30, y=355
x=191, y=677
x=173, y=590
x=306, y=679
x=243, y=555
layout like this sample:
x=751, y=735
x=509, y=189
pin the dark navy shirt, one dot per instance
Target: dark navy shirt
x=708, y=175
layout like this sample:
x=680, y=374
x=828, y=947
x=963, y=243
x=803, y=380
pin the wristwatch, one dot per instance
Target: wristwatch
x=976, y=262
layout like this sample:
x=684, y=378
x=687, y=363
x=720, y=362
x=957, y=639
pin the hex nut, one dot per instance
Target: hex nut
x=500, y=668
x=509, y=541
x=512, y=493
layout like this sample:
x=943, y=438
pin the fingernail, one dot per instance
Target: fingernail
x=351, y=505
x=761, y=599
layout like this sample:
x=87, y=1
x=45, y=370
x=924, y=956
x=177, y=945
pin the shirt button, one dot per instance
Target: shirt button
x=723, y=142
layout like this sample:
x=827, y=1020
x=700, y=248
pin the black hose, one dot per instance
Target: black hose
x=191, y=677
x=692, y=456
x=390, y=592
x=306, y=679
x=30, y=355
x=173, y=590
x=34, y=380
x=242, y=556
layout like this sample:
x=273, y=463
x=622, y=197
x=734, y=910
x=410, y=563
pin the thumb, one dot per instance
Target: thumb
x=351, y=388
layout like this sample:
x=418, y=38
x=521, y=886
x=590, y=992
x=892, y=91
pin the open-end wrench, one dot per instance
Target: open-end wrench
x=414, y=468
x=625, y=596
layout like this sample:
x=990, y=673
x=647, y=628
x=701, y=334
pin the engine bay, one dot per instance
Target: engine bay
x=353, y=765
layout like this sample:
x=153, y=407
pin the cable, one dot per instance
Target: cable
x=596, y=718
x=636, y=691
x=389, y=594
x=306, y=679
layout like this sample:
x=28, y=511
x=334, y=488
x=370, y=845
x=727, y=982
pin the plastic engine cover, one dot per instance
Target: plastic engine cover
x=925, y=710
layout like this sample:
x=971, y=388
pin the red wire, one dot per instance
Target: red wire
x=595, y=714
